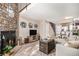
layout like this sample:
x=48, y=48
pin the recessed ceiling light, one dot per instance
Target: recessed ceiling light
x=68, y=17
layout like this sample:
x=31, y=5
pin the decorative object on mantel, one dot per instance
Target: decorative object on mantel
x=30, y=25
x=35, y=26
x=23, y=24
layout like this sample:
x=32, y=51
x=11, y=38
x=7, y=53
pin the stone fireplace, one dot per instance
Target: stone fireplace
x=8, y=24
x=8, y=38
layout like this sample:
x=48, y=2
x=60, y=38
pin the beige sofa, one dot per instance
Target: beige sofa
x=62, y=50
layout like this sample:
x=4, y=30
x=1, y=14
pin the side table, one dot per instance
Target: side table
x=46, y=47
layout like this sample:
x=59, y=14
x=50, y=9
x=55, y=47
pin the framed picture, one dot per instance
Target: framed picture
x=35, y=26
x=23, y=24
x=30, y=25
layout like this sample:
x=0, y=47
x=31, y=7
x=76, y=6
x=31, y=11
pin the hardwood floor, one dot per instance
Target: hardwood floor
x=32, y=49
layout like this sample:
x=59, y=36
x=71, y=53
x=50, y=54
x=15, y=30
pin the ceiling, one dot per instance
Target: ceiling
x=22, y=5
x=53, y=11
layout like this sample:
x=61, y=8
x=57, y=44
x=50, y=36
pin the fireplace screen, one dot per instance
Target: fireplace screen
x=8, y=41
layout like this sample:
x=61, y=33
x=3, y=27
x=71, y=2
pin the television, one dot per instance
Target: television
x=33, y=32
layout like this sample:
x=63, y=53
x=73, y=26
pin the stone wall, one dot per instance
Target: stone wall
x=8, y=16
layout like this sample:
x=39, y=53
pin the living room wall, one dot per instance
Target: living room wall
x=45, y=29
x=24, y=32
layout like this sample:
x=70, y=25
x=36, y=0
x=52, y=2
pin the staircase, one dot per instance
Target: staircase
x=53, y=27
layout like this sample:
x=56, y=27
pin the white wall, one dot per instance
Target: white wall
x=42, y=29
x=45, y=29
x=24, y=32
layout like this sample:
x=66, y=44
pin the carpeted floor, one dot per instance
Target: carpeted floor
x=32, y=49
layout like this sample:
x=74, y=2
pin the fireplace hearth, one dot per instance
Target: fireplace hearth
x=8, y=40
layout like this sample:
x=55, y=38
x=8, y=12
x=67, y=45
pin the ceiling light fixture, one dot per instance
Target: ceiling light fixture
x=68, y=17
